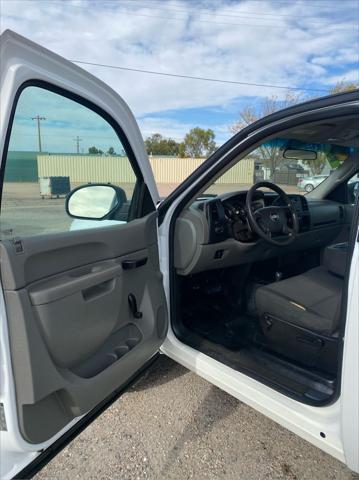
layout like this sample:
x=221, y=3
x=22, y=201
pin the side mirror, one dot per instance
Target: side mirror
x=94, y=202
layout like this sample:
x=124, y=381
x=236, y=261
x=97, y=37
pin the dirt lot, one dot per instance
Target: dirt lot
x=174, y=425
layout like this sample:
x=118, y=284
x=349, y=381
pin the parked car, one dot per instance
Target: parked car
x=249, y=288
x=310, y=183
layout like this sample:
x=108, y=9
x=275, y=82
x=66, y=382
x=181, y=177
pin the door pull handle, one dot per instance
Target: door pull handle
x=132, y=264
x=132, y=302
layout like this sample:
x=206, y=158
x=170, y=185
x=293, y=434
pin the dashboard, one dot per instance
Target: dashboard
x=227, y=215
x=214, y=232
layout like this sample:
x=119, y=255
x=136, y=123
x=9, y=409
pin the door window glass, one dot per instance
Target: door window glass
x=57, y=145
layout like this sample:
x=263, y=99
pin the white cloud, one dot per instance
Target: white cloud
x=291, y=43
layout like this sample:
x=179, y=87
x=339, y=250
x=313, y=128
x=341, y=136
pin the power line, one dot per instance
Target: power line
x=206, y=79
x=309, y=2
x=285, y=2
x=213, y=13
x=248, y=25
x=263, y=25
x=280, y=3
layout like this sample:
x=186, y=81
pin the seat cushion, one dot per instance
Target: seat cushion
x=311, y=300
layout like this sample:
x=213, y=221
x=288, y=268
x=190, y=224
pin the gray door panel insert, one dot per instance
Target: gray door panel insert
x=73, y=336
x=43, y=256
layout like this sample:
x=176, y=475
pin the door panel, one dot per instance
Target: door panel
x=73, y=335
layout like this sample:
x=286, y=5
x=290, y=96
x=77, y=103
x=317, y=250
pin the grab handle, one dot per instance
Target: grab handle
x=132, y=264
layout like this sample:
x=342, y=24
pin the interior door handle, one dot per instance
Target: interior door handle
x=131, y=264
x=132, y=302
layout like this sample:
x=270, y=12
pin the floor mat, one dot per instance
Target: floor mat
x=232, y=331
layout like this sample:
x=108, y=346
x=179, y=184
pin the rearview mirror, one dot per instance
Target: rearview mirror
x=299, y=154
x=94, y=202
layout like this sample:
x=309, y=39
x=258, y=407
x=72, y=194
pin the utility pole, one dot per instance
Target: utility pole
x=78, y=140
x=38, y=119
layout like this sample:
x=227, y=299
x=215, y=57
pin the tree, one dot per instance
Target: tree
x=156, y=144
x=111, y=151
x=316, y=166
x=95, y=151
x=182, y=150
x=268, y=105
x=343, y=86
x=269, y=153
x=198, y=143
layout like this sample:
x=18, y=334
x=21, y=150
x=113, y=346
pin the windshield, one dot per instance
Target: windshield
x=295, y=166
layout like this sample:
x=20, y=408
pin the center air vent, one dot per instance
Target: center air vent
x=217, y=220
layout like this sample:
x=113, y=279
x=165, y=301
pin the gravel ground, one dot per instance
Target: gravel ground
x=174, y=425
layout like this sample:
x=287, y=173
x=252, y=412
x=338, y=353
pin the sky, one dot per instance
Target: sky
x=308, y=44
x=62, y=121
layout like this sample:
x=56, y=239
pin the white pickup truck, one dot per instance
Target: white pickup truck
x=256, y=290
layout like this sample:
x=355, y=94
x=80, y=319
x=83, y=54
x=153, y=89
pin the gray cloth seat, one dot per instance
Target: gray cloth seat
x=311, y=300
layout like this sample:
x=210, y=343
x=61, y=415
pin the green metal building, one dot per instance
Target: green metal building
x=21, y=167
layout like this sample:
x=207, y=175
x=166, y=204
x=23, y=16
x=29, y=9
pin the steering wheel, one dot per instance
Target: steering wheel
x=277, y=225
